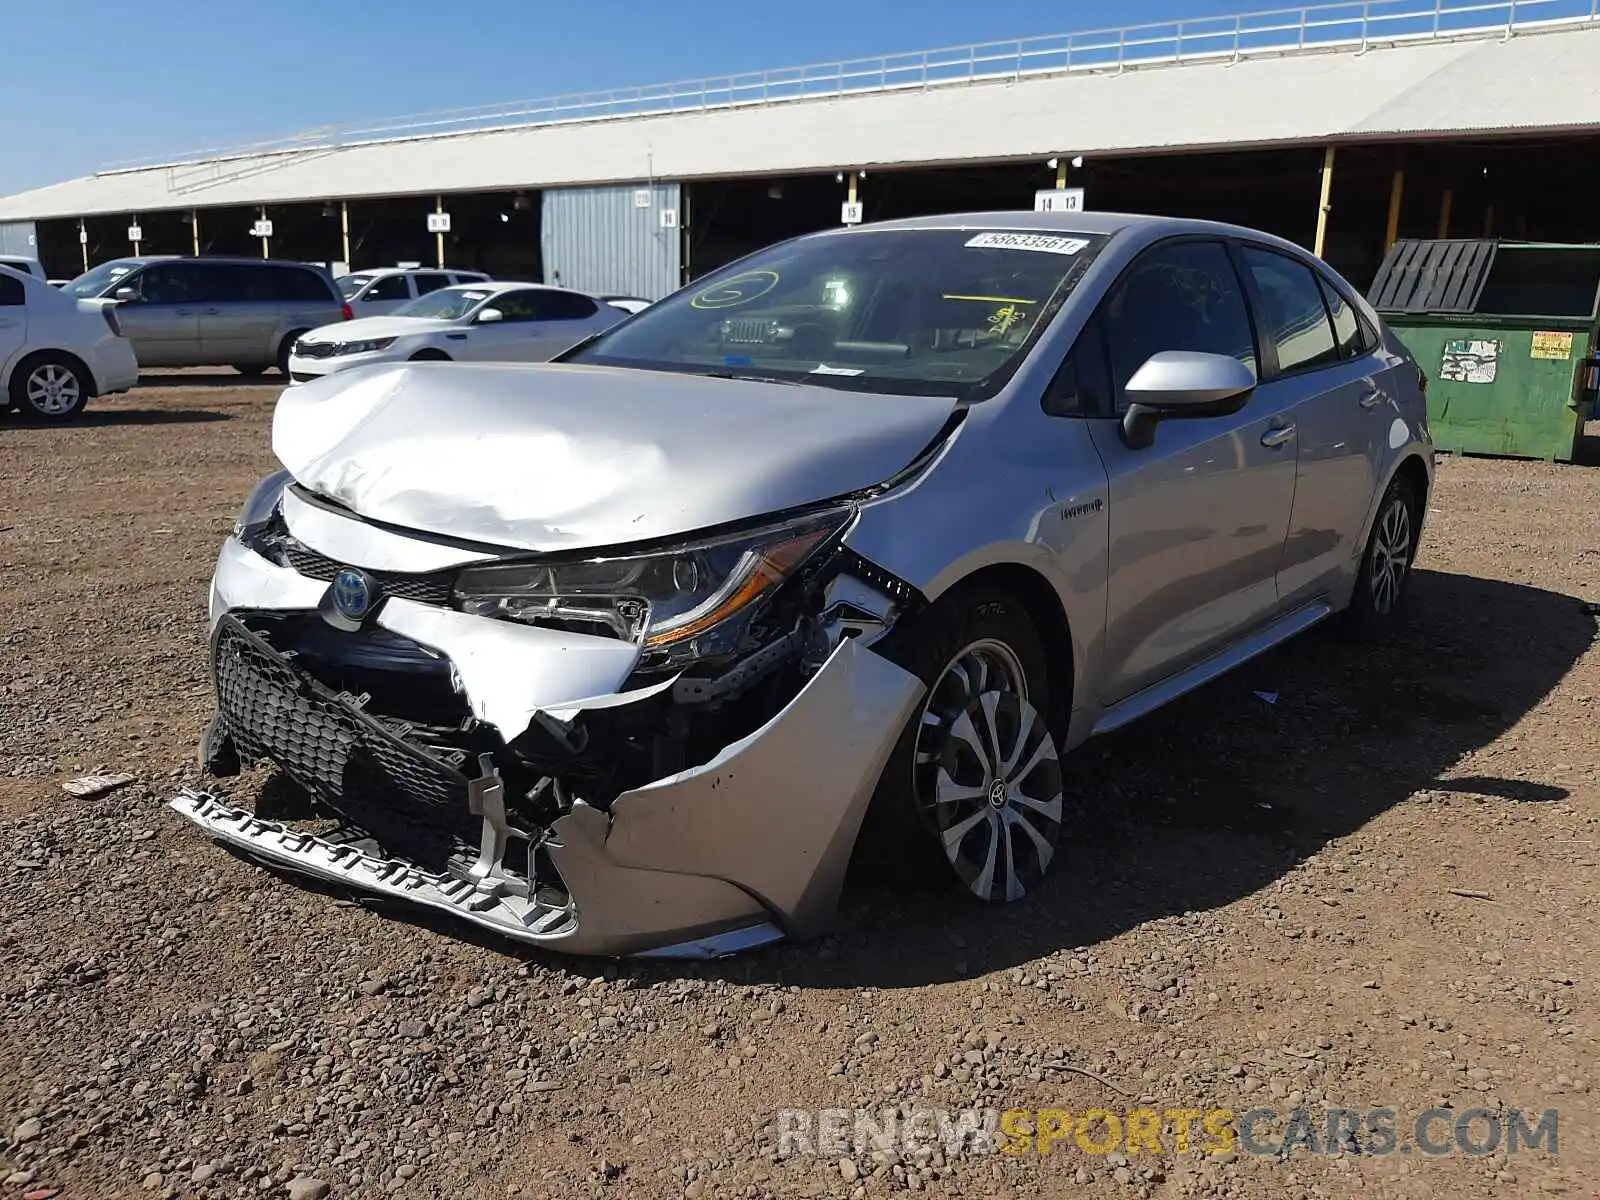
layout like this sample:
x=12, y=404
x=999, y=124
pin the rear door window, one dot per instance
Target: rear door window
x=13, y=292
x=430, y=281
x=1354, y=336
x=1293, y=315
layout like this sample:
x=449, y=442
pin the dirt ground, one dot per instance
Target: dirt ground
x=1340, y=878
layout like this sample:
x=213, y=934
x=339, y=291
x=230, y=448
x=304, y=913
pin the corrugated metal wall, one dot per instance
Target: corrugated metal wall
x=20, y=238
x=606, y=240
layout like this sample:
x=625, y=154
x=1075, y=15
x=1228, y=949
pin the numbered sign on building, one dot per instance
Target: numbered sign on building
x=669, y=218
x=438, y=222
x=262, y=228
x=641, y=198
x=1058, y=200
x=850, y=213
x=135, y=234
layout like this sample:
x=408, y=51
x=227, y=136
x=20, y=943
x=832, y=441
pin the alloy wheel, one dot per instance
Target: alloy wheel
x=53, y=389
x=987, y=777
x=1391, y=556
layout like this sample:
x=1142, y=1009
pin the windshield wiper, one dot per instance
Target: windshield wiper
x=724, y=374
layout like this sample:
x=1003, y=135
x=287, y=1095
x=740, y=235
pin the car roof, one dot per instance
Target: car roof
x=1105, y=223
x=140, y=260
x=374, y=272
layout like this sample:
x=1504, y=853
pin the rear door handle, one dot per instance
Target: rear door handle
x=1277, y=437
x=1370, y=398
x=211, y=312
x=186, y=312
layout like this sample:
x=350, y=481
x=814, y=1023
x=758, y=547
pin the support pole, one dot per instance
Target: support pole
x=194, y=225
x=136, y=243
x=1325, y=202
x=1061, y=174
x=266, y=249
x=1444, y=212
x=438, y=238
x=1397, y=191
x=83, y=242
x=852, y=195
x=344, y=233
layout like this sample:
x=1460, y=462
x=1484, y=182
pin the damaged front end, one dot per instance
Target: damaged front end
x=667, y=751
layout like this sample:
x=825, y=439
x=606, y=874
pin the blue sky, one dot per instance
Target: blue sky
x=106, y=81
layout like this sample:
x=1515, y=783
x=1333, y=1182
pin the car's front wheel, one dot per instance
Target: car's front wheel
x=49, y=387
x=972, y=795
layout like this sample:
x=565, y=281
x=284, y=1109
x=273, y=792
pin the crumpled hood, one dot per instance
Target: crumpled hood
x=551, y=456
x=376, y=327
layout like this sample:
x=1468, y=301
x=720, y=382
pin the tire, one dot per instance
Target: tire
x=430, y=356
x=1378, y=603
x=283, y=350
x=50, y=386
x=250, y=372
x=985, y=667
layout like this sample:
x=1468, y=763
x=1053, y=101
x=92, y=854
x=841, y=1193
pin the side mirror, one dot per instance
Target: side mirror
x=124, y=294
x=1177, y=384
x=490, y=315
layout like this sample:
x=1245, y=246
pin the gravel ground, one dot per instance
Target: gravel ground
x=1376, y=888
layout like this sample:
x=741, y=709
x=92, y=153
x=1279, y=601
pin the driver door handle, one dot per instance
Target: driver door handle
x=1277, y=437
x=186, y=312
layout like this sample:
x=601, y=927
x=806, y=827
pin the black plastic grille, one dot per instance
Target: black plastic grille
x=425, y=589
x=398, y=792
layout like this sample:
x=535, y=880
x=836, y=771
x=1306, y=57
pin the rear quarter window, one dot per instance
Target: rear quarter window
x=299, y=284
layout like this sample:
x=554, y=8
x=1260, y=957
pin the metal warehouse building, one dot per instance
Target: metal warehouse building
x=1342, y=127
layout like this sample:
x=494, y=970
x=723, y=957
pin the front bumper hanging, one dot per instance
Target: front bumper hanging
x=749, y=847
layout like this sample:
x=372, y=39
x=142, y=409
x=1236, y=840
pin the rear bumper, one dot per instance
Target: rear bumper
x=116, y=366
x=751, y=846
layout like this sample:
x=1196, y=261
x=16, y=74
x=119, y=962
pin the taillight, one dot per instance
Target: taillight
x=109, y=312
x=348, y=312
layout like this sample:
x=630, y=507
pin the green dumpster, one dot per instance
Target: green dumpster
x=1507, y=334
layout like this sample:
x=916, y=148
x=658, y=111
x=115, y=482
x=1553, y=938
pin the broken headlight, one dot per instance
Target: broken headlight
x=261, y=504
x=690, y=600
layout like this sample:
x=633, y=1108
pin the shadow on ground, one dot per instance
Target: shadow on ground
x=226, y=379
x=1216, y=796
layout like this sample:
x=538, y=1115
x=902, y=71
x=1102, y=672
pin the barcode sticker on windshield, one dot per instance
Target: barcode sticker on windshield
x=1045, y=243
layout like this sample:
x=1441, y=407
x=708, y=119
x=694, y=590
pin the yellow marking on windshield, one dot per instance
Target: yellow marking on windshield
x=990, y=299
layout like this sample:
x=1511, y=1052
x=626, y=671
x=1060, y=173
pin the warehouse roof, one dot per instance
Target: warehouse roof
x=1463, y=82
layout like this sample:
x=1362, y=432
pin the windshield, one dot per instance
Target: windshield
x=446, y=304
x=943, y=312
x=349, y=285
x=92, y=284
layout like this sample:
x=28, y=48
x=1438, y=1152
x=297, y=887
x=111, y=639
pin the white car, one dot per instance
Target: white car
x=56, y=351
x=372, y=293
x=494, y=322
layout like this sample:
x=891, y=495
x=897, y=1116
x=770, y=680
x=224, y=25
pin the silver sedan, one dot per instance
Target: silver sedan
x=833, y=553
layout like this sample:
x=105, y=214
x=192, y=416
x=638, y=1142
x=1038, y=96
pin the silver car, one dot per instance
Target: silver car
x=832, y=553
x=243, y=313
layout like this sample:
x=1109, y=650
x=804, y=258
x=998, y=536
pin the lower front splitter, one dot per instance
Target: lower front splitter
x=489, y=905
